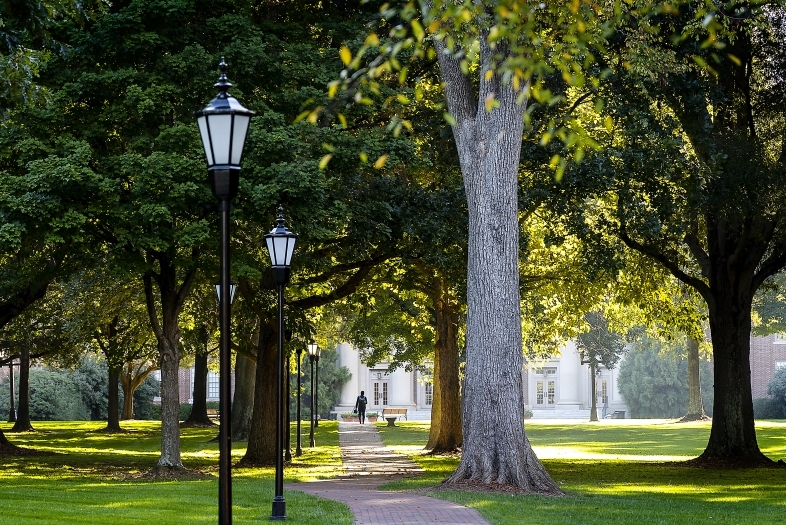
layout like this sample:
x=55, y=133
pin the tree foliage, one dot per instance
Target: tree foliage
x=654, y=383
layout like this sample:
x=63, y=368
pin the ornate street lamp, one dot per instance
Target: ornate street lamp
x=281, y=245
x=313, y=355
x=223, y=126
x=232, y=290
x=298, y=448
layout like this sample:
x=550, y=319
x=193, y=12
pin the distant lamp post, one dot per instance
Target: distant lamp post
x=281, y=245
x=232, y=290
x=313, y=354
x=12, y=411
x=223, y=126
x=298, y=447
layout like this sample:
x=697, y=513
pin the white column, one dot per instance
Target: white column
x=350, y=358
x=400, y=385
x=569, y=370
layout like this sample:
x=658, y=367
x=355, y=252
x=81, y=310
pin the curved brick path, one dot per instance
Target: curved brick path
x=369, y=464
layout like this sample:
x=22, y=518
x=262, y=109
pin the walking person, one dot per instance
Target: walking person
x=360, y=407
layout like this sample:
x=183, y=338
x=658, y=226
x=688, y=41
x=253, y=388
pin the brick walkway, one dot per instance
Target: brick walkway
x=369, y=464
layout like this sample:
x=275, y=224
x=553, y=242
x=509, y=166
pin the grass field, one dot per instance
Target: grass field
x=93, y=478
x=619, y=473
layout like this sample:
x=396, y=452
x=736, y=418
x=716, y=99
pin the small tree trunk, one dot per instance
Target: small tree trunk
x=593, y=389
x=112, y=419
x=243, y=401
x=198, y=416
x=261, y=448
x=4, y=441
x=445, y=434
x=127, y=382
x=23, y=423
x=695, y=404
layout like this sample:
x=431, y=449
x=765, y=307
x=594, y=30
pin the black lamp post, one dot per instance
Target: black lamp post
x=280, y=244
x=232, y=290
x=223, y=126
x=313, y=355
x=12, y=411
x=298, y=448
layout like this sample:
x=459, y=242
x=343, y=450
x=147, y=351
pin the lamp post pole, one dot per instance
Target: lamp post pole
x=298, y=448
x=316, y=391
x=12, y=411
x=313, y=354
x=223, y=126
x=281, y=245
x=287, y=423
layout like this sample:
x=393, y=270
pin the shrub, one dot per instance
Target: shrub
x=777, y=388
x=656, y=386
x=767, y=408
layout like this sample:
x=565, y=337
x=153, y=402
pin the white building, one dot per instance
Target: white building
x=559, y=387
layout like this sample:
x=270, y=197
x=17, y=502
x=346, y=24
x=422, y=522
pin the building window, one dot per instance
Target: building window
x=546, y=371
x=212, y=385
x=376, y=394
x=604, y=392
x=384, y=393
x=780, y=339
x=539, y=393
x=780, y=364
x=550, y=398
x=429, y=393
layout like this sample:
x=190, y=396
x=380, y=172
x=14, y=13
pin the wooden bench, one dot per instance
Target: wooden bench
x=212, y=413
x=391, y=414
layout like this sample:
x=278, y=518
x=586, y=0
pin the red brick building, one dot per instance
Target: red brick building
x=767, y=354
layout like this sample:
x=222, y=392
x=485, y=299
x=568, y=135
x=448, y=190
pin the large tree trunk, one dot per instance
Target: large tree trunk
x=496, y=448
x=112, y=419
x=23, y=423
x=198, y=416
x=695, y=404
x=445, y=433
x=733, y=433
x=261, y=448
x=243, y=402
x=594, y=390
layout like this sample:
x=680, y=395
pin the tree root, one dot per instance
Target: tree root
x=173, y=473
x=694, y=417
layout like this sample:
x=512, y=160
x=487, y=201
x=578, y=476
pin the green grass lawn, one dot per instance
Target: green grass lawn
x=619, y=473
x=93, y=478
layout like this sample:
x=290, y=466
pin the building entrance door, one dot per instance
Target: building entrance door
x=545, y=392
x=379, y=394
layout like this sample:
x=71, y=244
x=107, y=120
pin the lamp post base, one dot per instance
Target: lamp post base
x=279, y=509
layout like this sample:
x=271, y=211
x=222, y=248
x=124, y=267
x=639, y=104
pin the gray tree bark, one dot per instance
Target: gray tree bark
x=496, y=448
x=167, y=331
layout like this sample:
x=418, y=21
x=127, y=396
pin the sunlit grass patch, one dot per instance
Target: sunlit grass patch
x=92, y=477
x=619, y=473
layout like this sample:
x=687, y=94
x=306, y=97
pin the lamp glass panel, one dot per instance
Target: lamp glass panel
x=290, y=249
x=271, y=249
x=220, y=128
x=312, y=349
x=202, y=121
x=232, y=289
x=218, y=291
x=239, y=137
x=280, y=250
